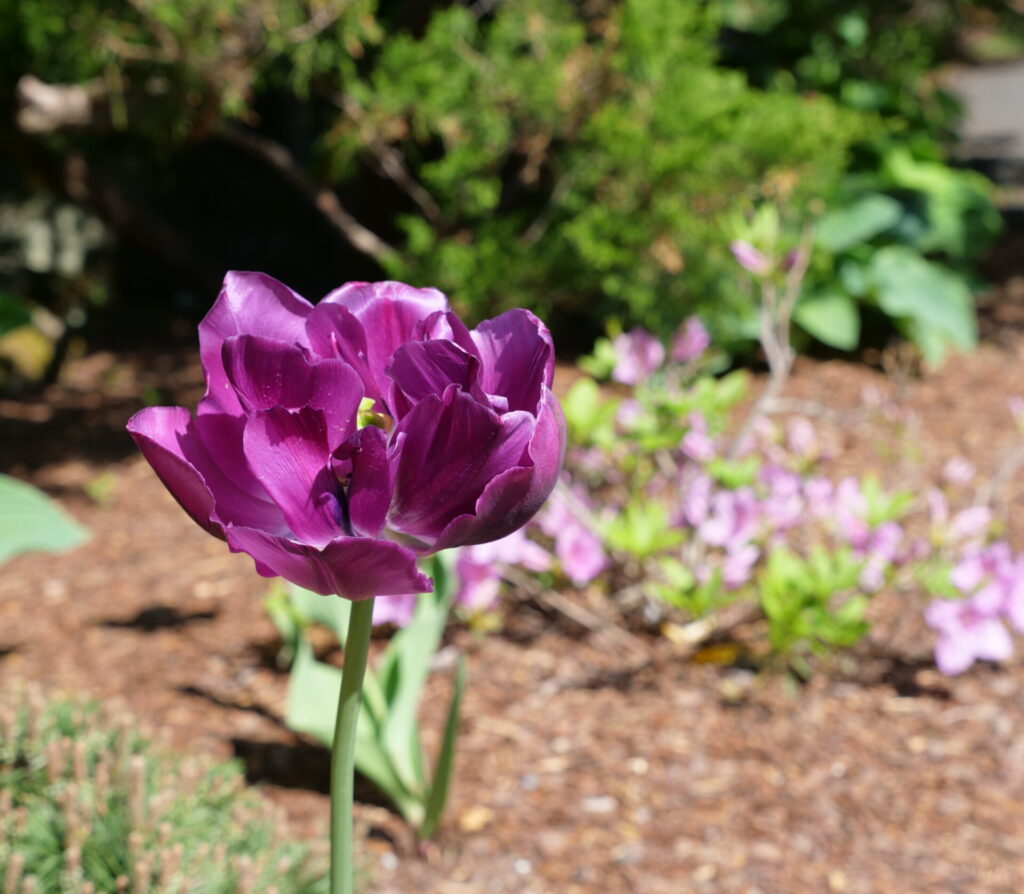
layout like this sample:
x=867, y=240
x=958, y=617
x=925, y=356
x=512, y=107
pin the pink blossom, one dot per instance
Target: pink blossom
x=749, y=257
x=818, y=493
x=581, y=553
x=515, y=549
x=395, y=609
x=638, y=354
x=479, y=583
x=938, y=506
x=970, y=524
x=958, y=471
x=697, y=499
x=1016, y=407
x=733, y=519
x=802, y=438
x=690, y=342
x=738, y=565
x=696, y=443
x=967, y=633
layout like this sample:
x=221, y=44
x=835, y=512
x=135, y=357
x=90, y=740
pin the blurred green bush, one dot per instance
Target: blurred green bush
x=585, y=159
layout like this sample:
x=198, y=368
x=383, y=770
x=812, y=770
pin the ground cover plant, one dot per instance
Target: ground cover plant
x=88, y=804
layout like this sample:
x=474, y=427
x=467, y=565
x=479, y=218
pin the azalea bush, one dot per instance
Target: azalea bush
x=692, y=518
x=88, y=804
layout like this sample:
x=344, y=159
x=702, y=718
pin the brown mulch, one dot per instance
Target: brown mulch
x=583, y=766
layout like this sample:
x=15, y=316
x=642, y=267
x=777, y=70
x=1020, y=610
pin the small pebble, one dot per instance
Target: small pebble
x=599, y=804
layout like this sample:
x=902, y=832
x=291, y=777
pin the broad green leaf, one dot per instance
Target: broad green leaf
x=861, y=220
x=832, y=318
x=445, y=758
x=330, y=611
x=14, y=312
x=933, y=304
x=313, y=691
x=29, y=521
x=403, y=673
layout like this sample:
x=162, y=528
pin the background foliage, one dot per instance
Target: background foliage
x=586, y=159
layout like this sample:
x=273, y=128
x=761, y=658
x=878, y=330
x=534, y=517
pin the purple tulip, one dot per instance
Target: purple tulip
x=337, y=443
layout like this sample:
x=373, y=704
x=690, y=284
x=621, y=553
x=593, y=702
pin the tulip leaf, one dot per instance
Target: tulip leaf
x=445, y=757
x=403, y=674
x=313, y=693
x=29, y=520
x=331, y=611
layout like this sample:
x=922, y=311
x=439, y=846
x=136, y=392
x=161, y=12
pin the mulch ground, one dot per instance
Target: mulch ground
x=587, y=763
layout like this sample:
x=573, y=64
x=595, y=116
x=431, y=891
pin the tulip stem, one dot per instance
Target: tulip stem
x=357, y=648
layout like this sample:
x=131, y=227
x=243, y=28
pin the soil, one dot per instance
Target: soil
x=588, y=761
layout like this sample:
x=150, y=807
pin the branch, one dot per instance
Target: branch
x=44, y=108
x=324, y=199
x=392, y=163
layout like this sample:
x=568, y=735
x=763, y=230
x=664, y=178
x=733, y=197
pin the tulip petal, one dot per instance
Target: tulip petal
x=191, y=469
x=514, y=496
x=333, y=331
x=389, y=314
x=253, y=304
x=351, y=567
x=288, y=453
x=518, y=358
x=446, y=326
x=165, y=435
x=369, y=493
x=268, y=373
x=428, y=367
x=447, y=450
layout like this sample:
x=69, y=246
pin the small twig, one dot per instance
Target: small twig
x=1010, y=464
x=574, y=612
x=775, y=317
x=392, y=163
x=319, y=22
x=360, y=237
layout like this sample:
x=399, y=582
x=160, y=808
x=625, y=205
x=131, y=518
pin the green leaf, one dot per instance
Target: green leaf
x=933, y=304
x=330, y=611
x=861, y=220
x=29, y=521
x=403, y=673
x=313, y=691
x=831, y=317
x=14, y=312
x=445, y=758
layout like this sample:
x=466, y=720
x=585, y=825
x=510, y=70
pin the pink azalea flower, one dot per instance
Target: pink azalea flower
x=691, y=340
x=696, y=443
x=802, y=438
x=738, y=566
x=958, y=471
x=967, y=633
x=581, y=553
x=697, y=499
x=749, y=257
x=638, y=354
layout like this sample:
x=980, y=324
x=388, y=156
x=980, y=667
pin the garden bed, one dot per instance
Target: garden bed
x=590, y=759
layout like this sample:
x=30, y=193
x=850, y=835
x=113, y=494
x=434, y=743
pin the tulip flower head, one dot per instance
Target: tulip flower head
x=338, y=443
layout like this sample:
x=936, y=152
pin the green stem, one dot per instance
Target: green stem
x=357, y=647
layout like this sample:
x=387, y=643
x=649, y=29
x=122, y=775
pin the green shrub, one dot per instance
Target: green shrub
x=87, y=805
